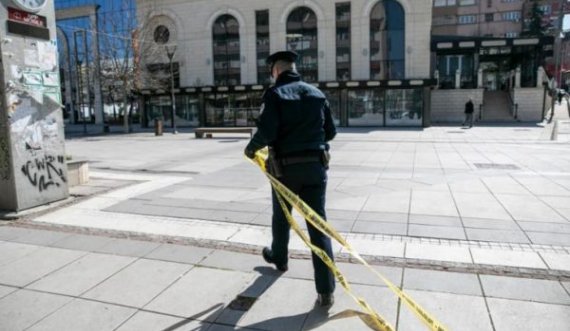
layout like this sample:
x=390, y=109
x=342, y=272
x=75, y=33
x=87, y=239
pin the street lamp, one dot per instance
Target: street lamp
x=170, y=51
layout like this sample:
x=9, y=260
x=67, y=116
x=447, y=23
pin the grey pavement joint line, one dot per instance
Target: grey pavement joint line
x=539, y=198
x=486, y=302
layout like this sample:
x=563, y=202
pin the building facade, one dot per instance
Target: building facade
x=371, y=57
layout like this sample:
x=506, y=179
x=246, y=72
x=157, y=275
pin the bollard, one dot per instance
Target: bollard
x=157, y=127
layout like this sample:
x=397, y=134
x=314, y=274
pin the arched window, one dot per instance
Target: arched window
x=387, y=40
x=227, y=60
x=302, y=38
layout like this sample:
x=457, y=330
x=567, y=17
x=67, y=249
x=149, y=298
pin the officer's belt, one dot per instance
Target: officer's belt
x=300, y=159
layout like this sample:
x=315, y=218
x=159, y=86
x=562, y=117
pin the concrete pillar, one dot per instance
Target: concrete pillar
x=457, y=79
x=518, y=77
x=33, y=168
x=480, y=78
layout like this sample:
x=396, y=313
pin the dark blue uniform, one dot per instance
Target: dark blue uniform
x=296, y=123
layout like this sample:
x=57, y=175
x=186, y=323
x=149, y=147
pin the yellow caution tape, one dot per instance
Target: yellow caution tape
x=283, y=193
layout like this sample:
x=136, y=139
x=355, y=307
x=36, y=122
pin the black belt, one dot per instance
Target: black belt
x=300, y=159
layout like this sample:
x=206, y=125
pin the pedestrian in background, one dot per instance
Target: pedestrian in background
x=469, y=109
x=296, y=123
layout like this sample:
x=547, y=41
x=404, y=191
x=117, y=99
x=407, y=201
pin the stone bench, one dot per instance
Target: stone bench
x=199, y=132
x=77, y=173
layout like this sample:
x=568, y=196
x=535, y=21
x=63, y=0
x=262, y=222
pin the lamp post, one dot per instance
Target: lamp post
x=170, y=51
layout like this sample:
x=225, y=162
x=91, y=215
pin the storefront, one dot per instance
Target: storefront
x=394, y=103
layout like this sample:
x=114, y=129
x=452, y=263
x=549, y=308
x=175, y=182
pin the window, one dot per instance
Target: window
x=444, y=3
x=512, y=16
x=161, y=35
x=227, y=60
x=545, y=9
x=466, y=2
x=387, y=41
x=302, y=35
x=262, y=45
x=343, y=41
x=489, y=17
x=467, y=19
x=511, y=34
x=489, y=3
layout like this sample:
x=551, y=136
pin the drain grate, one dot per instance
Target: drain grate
x=498, y=166
x=458, y=132
x=242, y=303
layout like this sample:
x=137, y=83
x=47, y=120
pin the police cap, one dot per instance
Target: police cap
x=287, y=56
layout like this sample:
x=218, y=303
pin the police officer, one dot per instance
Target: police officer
x=296, y=123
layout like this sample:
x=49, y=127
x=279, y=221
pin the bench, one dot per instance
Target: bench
x=199, y=132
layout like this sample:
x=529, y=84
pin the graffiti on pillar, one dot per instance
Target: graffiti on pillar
x=4, y=159
x=46, y=171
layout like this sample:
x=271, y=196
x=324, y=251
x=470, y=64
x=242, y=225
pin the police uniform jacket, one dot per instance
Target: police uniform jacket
x=295, y=117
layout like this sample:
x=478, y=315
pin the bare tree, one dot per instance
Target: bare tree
x=128, y=52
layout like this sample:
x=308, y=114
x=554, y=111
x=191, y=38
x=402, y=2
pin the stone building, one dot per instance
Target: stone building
x=372, y=57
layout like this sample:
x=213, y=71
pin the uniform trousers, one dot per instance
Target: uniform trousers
x=309, y=181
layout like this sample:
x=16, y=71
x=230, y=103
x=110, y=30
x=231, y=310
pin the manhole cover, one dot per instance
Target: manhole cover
x=241, y=303
x=455, y=131
x=496, y=166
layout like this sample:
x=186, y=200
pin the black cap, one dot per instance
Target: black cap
x=287, y=56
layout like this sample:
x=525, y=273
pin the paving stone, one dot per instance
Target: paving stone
x=505, y=236
x=557, y=261
x=10, y=251
x=441, y=281
x=479, y=205
x=433, y=203
x=383, y=217
x=380, y=227
x=523, y=315
x=397, y=202
x=81, y=275
x=235, y=261
x=82, y=242
x=449, y=309
x=435, y=220
x=529, y=208
x=232, y=216
x=505, y=185
x=356, y=273
x=9, y=233
x=137, y=284
x=179, y=253
x=487, y=223
x=429, y=231
x=5, y=290
x=341, y=225
x=36, y=265
x=22, y=309
x=40, y=237
x=507, y=258
x=128, y=247
x=85, y=315
x=468, y=186
x=545, y=227
x=438, y=253
x=544, y=238
x=370, y=247
x=218, y=327
x=191, y=297
x=144, y=321
x=537, y=290
x=567, y=286
x=337, y=214
x=336, y=319
x=284, y=306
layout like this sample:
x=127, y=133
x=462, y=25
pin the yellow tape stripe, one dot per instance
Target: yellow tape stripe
x=316, y=220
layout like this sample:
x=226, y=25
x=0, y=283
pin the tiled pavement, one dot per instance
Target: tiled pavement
x=67, y=281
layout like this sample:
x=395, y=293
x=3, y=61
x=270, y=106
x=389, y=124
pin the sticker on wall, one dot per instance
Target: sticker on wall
x=32, y=57
x=32, y=78
x=50, y=78
x=47, y=55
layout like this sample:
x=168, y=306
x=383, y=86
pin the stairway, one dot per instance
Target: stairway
x=496, y=107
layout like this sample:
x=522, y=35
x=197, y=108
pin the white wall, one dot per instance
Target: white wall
x=194, y=19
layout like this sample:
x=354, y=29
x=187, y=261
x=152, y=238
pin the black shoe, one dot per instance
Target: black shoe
x=267, y=256
x=325, y=299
